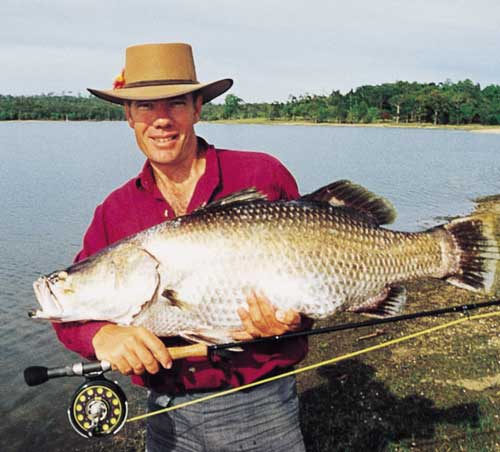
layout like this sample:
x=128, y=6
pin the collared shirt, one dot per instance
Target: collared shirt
x=138, y=205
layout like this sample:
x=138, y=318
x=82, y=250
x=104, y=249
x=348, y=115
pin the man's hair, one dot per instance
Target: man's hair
x=194, y=94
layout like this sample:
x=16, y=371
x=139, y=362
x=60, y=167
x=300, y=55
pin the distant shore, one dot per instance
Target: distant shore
x=479, y=128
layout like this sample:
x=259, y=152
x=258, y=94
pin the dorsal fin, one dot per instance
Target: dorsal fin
x=348, y=194
x=247, y=195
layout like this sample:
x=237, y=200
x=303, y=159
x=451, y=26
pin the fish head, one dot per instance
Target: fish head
x=112, y=286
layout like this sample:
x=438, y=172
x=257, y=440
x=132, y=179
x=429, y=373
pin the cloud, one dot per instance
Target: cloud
x=271, y=48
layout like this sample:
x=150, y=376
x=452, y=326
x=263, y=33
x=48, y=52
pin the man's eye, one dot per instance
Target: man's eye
x=145, y=106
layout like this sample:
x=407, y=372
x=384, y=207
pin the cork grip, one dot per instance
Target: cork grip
x=188, y=351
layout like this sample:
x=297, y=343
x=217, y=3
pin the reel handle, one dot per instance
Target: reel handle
x=36, y=375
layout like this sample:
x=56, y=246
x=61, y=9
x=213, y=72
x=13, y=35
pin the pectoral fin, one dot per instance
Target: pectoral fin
x=172, y=297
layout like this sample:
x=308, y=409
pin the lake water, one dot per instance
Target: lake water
x=52, y=175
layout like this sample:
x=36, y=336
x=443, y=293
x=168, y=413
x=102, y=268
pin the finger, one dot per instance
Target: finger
x=248, y=324
x=268, y=311
x=290, y=317
x=118, y=359
x=132, y=357
x=257, y=316
x=241, y=335
x=123, y=366
x=147, y=360
x=156, y=347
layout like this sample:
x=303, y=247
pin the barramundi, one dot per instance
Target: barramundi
x=323, y=253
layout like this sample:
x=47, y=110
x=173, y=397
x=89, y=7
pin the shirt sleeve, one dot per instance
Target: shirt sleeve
x=287, y=184
x=96, y=237
x=77, y=336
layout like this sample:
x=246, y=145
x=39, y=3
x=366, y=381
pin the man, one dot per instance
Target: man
x=163, y=102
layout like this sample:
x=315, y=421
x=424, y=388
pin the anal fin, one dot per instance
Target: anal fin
x=390, y=302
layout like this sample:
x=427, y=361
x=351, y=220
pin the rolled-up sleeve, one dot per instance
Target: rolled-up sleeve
x=77, y=336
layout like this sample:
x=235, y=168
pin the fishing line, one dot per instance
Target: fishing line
x=320, y=364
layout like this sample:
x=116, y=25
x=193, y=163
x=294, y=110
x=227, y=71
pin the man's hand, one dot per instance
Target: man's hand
x=263, y=320
x=131, y=349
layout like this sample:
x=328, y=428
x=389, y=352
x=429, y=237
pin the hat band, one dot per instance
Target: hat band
x=160, y=82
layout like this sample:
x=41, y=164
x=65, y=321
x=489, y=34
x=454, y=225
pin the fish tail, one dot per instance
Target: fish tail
x=477, y=250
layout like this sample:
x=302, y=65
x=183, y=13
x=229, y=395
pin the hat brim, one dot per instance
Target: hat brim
x=208, y=91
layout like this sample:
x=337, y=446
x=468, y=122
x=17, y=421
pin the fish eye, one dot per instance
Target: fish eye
x=58, y=276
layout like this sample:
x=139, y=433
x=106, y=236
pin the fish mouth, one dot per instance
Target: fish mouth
x=51, y=307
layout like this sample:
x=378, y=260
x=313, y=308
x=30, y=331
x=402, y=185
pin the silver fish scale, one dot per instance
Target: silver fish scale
x=314, y=258
x=166, y=320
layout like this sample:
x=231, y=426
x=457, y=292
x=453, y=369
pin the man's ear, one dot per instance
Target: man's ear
x=198, y=104
x=128, y=114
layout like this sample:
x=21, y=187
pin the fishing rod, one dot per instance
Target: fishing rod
x=99, y=406
x=464, y=308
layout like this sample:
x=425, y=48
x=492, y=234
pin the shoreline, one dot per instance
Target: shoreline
x=388, y=125
x=476, y=128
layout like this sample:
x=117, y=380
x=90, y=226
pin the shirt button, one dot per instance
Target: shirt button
x=166, y=213
x=192, y=369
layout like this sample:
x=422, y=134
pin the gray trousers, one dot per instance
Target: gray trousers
x=263, y=418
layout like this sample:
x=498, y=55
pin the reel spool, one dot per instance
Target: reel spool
x=98, y=408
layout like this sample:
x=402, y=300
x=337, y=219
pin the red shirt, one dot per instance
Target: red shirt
x=138, y=205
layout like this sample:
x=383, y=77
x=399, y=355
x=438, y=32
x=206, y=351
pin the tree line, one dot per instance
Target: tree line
x=58, y=108
x=458, y=103
x=445, y=103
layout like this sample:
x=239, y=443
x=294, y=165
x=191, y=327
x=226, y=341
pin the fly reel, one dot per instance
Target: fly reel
x=98, y=408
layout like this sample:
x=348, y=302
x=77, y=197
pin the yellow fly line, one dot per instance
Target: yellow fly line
x=320, y=364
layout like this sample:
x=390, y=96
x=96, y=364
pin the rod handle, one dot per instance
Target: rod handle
x=188, y=351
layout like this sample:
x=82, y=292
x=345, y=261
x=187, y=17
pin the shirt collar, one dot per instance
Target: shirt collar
x=206, y=186
x=145, y=180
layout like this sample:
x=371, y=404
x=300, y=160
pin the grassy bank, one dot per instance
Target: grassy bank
x=434, y=393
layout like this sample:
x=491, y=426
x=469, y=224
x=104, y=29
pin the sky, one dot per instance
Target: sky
x=271, y=48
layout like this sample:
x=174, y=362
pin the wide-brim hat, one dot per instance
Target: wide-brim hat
x=160, y=71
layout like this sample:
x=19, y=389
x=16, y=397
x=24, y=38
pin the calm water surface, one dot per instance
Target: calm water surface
x=52, y=175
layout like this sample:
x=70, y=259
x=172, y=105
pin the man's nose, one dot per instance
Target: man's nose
x=162, y=115
x=162, y=121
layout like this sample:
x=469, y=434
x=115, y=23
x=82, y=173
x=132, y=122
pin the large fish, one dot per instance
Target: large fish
x=323, y=253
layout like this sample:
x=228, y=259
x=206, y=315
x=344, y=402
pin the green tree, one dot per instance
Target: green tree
x=231, y=106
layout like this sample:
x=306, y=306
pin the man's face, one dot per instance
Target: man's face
x=164, y=129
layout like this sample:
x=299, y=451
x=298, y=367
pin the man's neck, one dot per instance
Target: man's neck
x=177, y=183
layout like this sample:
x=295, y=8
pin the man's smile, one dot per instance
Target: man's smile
x=164, y=140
